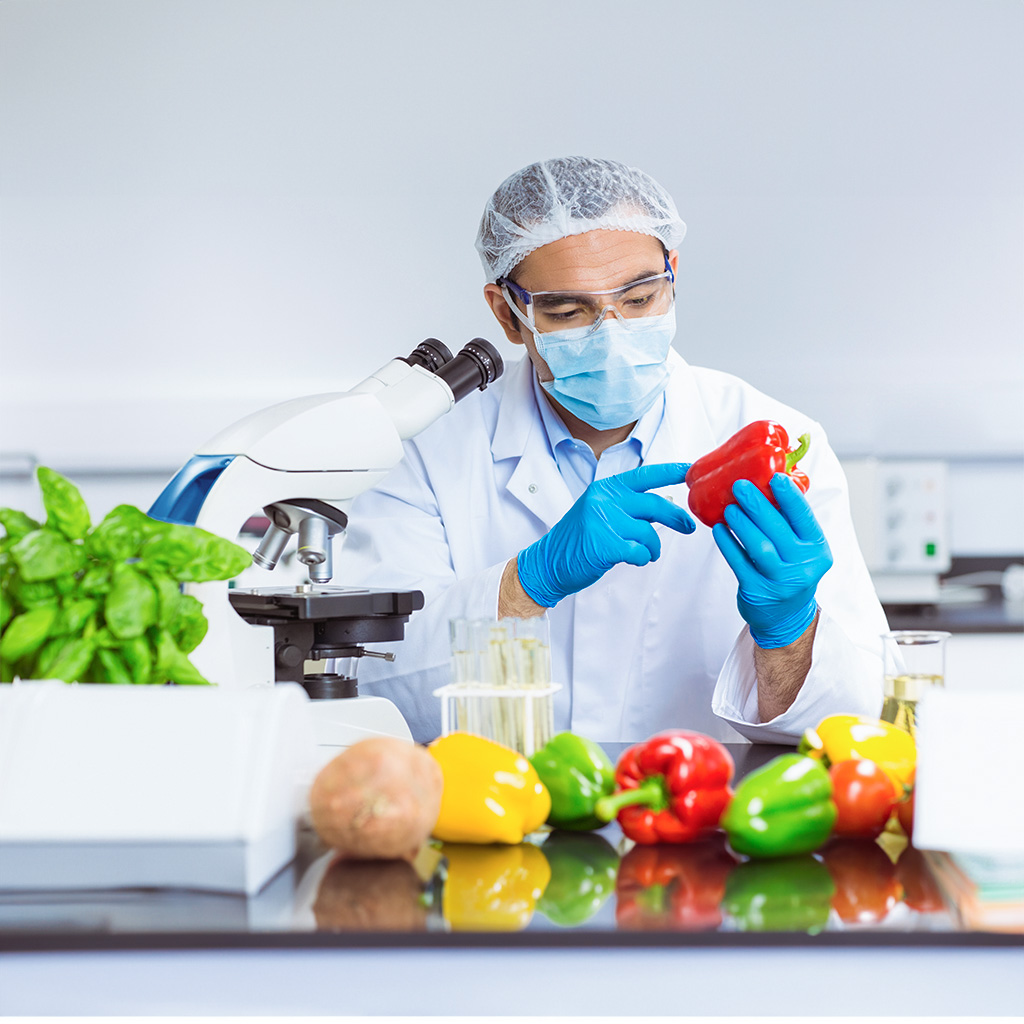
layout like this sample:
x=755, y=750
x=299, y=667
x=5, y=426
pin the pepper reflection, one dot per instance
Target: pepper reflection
x=866, y=884
x=920, y=890
x=673, y=887
x=492, y=888
x=370, y=896
x=583, y=870
x=789, y=894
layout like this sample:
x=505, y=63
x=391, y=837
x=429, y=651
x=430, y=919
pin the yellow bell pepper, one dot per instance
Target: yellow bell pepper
x=492, y=888
x=492, y=794
x=856, y=737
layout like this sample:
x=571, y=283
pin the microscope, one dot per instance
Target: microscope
x=304, y=461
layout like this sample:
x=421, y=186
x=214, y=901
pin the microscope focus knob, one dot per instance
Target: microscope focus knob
x=289, y=656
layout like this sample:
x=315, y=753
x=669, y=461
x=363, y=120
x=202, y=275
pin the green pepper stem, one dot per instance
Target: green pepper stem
x=651, y=793
x=792, y=458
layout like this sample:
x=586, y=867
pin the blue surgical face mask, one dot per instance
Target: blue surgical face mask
x=610, y=376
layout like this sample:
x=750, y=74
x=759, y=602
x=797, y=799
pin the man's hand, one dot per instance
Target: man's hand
x=778, y=556
x=610, y=523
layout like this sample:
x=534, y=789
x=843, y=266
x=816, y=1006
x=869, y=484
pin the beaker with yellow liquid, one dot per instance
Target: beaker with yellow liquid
x=914, y=661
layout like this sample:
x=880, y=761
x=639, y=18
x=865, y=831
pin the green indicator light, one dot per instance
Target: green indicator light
x=929, y=549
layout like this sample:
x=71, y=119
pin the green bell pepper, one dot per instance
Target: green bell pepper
x=790, y=894
x=781, y=809
x=583, y=872
x=577, y=773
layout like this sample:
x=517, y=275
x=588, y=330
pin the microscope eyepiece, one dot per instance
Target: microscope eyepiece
x=431, y=354
x=476, y=366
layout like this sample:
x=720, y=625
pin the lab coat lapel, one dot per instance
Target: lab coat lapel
x=519, y=433
x=685, y=433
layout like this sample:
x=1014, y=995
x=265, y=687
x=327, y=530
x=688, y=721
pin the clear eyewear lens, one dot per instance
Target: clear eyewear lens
x=558, y=311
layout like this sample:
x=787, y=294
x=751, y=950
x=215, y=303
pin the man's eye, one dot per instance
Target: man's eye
x=564, y=312
x=638, y=300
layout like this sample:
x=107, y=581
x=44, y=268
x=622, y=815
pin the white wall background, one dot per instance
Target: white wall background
x=210, y=205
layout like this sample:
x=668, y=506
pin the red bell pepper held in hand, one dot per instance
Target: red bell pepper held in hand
x=672, y=788
x=756, y=453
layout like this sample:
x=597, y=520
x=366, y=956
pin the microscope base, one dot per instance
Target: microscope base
x=338, y=724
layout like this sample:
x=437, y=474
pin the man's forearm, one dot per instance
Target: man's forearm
x=781, y=672
x=513, y=601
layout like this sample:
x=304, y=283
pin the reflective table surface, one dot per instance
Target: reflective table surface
x=570, y=888
x=564, y=924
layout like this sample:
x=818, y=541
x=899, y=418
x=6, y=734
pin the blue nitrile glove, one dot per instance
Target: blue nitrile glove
x=778, y=558
x=610, y=523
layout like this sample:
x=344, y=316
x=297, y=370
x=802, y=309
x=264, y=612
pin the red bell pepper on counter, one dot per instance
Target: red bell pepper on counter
x=756, y=453
x=672, y=788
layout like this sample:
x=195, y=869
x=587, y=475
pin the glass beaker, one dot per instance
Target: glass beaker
x=501, y=688
x=914, y=660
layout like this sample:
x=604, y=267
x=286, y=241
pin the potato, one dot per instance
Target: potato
x=378, y=799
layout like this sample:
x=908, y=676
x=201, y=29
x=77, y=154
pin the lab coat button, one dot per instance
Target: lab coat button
x=532, y=488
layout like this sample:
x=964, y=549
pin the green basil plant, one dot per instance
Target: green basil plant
x=103, y=603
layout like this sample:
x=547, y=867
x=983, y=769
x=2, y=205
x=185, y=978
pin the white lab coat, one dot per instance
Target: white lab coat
x=643, y=649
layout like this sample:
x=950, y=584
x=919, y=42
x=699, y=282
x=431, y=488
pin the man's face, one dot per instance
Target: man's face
x=594, y=261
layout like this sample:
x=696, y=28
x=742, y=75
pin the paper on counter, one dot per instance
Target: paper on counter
x=969, y=763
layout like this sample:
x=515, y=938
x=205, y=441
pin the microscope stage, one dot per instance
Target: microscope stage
x=318, y=602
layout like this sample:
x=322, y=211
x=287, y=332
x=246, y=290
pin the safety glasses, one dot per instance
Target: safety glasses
x=549, y=311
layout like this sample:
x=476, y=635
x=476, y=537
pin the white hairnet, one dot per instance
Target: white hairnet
x=553, y=199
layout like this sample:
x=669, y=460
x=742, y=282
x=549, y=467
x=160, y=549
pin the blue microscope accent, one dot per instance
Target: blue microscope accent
x=181, y=500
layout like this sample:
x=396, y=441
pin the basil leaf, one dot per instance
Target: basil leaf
x=221, y=559
x=26, y=632
x=180, y=614
x=189, y=553
x=96, y=580
x=65, y=585
x=66, y=510
x=45, y=554
x=34, y=595
x=114, y=666
x=46, y=657
x=6, y=609
x=191, y=625
x=71, y=660
x=121, y=534
x=138, y=657
x=16, y=523
x=168, y=594
x=130, y=607
x=172, y=553
x=74, y=615
x=173, y=666
x=64, y=658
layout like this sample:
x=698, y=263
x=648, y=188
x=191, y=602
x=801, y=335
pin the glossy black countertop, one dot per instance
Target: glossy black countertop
x=557, y=889
x=973, y=600
x=995, y=616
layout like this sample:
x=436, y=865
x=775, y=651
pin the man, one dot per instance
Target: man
x=560, y=490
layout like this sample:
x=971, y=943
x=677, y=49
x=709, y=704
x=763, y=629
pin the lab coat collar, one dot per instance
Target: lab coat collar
x=685, y=433
x=519, y=433
x=516, y=414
